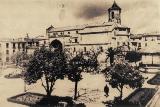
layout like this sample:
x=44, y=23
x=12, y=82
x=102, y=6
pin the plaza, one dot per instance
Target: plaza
x=109, y=38
x=94, y=94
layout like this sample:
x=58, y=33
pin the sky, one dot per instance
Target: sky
x=19, y=17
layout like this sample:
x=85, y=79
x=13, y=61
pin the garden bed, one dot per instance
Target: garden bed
x=40, y=100
x=139, y=98
x=13, y=75
x=155, y=80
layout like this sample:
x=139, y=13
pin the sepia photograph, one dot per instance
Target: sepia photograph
x=79, y=53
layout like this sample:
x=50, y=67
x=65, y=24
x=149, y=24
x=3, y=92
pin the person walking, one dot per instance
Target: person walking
x=106, y=90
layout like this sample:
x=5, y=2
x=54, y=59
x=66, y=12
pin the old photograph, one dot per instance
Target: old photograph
x=79, y=53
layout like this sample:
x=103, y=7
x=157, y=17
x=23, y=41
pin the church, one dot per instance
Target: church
x=91, y=36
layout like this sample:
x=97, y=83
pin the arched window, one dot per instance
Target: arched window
x=112, y=14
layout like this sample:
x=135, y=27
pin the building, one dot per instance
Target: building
x=148, y=44
x=9, y=47
x=91, y=36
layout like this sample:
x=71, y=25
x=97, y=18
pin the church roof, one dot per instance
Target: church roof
x=114, y=7
x=68, y=28
x=92, y=27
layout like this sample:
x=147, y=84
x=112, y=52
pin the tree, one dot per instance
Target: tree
x=79, y=64
x=111, y=54
x=123, y=74
x=20, y=58
x=133, y=56
x=46, y=65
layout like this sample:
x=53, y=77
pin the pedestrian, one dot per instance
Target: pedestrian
x=106, y=90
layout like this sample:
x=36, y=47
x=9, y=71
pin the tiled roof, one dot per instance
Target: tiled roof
x=41, y=38
x=151, y=34
x=136, y=36
x=150, y=50
x=108, y=26
x=68, y=28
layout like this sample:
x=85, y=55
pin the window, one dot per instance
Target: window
x=23, y=45
x=74, y=49
x=68, y=32
x=128, y=30
x=37, y=43
x=134, y=43
x=7, y=52
x=13, y=50
x=112, y=14
x=114, y=38
x=76, y=40
x=158, y=38
x=122, y=29
x=139, y=44
x=61, y=33
x=118, y=43
x=7, y=45
x=145, y=44
x=77, y=31
x=14, y=45
x=19, y=46
x=145, y=39
x=44, y=42
x=30, y=43
x=7, y=59
x=85, y=49
x=54, y=34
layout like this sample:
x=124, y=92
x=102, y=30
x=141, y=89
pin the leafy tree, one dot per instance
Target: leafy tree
x=79, y=64
x=46, y=65
x=20, y=58
x=122, y=74
x=133, y=56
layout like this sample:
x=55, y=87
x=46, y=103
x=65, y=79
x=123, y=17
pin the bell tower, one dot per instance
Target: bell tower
x=114, y=13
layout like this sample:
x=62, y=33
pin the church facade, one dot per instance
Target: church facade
x=91, y=36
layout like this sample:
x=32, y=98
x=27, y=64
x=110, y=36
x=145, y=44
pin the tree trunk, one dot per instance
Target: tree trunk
x=75, y=90
x=111, y=60
x=121, y=92
x=49, y=88
x=48, y=94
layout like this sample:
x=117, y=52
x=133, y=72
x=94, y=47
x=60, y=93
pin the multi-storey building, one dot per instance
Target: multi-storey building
x=91, y=36
x=148, y=44
x=9, y=47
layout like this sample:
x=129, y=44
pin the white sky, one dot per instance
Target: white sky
x=18, y=17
